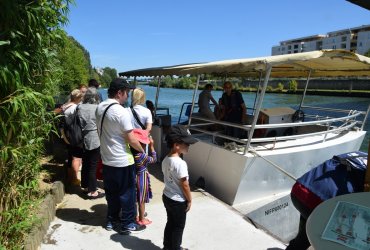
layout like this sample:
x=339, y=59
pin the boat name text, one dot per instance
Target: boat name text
x=275, y=209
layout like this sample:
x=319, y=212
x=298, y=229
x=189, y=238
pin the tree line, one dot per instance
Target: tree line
x=76, y=66
x=37, y=61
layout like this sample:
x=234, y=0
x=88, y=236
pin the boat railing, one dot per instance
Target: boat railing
x=187, y=110
x=162, y=111
x=323, y=125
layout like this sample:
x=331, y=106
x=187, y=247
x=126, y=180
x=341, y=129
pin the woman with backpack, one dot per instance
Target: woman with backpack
x=90, y=142
x=74, y=152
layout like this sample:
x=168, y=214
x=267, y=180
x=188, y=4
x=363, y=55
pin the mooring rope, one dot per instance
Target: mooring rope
x=273, y=164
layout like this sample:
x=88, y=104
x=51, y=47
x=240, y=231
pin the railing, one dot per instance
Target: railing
x=160, y=109
x=323, y=125
x=188, y=105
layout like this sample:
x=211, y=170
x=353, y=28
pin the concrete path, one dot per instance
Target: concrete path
x=210, y=225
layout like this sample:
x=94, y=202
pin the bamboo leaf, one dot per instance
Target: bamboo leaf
x=4, y=42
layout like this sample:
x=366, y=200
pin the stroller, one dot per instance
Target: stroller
x=342, y=174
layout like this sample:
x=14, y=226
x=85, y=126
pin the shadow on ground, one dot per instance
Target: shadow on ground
x=134, y=243
x=83, y=217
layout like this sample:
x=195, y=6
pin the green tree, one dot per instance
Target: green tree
x=185, y=82
x=75, y=64
x=95, y=75
x=293, y=85
x=86, y=55
x=280, y=87
x=29, y=71
x=108, y=75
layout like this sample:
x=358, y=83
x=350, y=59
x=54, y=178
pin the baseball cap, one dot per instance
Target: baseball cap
x=179, y=133
x=141, y=135
x=120, y=83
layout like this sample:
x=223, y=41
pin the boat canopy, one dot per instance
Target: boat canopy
x=323, y=63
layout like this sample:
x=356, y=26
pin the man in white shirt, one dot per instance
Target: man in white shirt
x=116, y=138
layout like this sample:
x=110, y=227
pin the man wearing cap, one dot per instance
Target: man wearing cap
x=116, y=138
x=176, y=194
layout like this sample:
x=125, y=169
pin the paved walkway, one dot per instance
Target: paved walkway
x=210, y=225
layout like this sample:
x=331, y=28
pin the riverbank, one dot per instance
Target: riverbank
x=318, y=92
x=357, y=93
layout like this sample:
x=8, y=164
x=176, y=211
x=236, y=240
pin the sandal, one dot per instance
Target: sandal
x=92, y=197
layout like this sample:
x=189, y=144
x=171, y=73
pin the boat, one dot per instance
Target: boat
x=255, y=174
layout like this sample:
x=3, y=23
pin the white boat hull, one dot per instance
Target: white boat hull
x=237, y=178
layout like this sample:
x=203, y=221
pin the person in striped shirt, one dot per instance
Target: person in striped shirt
x=142, y=160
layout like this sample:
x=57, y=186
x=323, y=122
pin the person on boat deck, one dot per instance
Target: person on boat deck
x=116, y=138
x=203, y=102
x=141, y=117
x=233, y=108
x=176, y=194
x=91, y=143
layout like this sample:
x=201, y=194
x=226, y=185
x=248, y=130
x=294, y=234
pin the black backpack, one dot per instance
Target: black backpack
x=73, y=130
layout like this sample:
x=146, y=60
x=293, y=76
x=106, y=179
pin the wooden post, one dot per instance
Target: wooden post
x=367, y=174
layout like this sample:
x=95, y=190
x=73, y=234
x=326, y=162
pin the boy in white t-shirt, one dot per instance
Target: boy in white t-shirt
x=176, y=194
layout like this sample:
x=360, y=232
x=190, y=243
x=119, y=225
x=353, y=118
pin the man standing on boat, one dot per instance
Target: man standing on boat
x=233, y=108
x=116, y=138
x=203, y=102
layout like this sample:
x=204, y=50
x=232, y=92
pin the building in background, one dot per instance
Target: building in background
x=353, y=39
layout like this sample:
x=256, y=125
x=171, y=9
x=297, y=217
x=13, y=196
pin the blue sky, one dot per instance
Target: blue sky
x=128, y=35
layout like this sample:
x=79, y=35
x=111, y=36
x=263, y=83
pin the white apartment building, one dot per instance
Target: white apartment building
x=353, y=39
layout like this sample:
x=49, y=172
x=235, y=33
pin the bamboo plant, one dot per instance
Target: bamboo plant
x=29, y=36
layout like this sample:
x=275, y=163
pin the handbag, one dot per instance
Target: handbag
x=137, y=118
x=99, y=170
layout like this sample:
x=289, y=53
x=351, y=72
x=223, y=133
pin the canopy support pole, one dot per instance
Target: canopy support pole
x=257, y=91
x=156, y=96
x=305, y=89
x=193, y=101
x=365, y=118
x=259, y=105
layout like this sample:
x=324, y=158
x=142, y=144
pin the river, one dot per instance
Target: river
x=173, y=99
